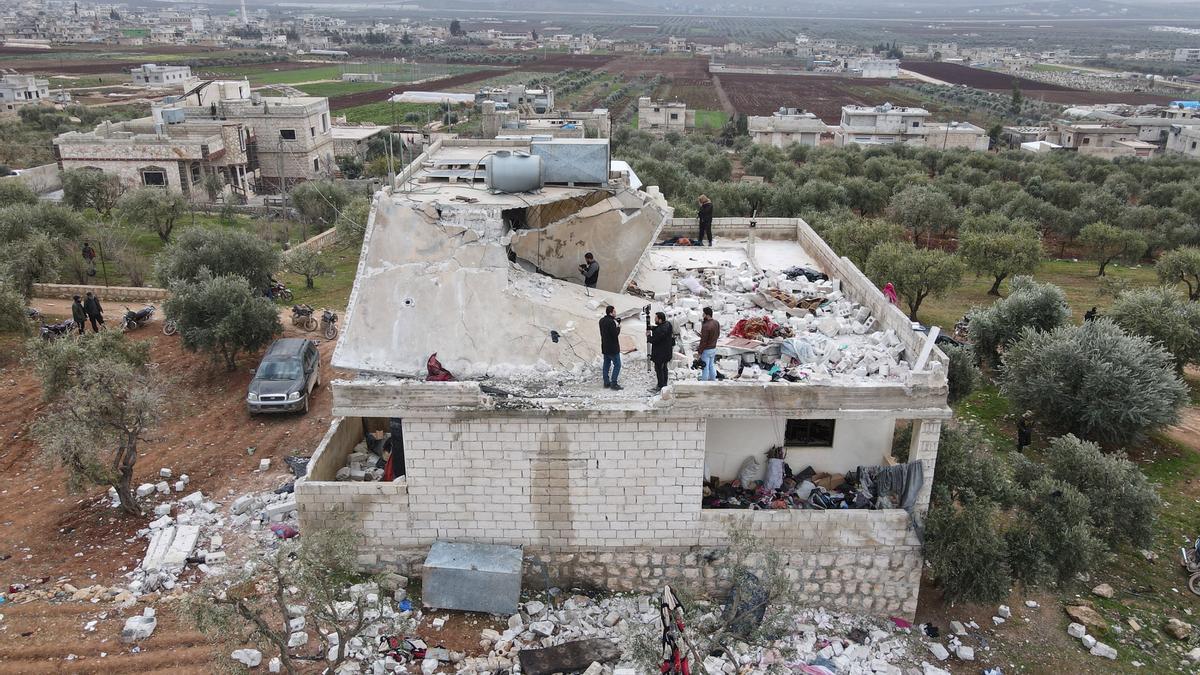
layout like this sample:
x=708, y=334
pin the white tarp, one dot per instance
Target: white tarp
x=432, y=97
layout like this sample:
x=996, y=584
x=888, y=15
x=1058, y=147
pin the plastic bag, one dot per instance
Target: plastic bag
x=774, y=478
x=750, y=471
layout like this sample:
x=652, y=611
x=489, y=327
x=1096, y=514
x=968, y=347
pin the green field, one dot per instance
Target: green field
x=330, y=89
x=257, y=75
x=408, y=72
x=711, y=119
x=387, y=113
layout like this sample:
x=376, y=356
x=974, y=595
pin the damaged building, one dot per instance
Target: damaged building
x=476, y=412
x=497, y=121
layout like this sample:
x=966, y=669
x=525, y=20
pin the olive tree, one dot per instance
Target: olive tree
x=221, y=253
x=320, y=202
x=154, y=209
x=1107, y=242
x=16, y=192
x=922, y=209
x=308, y=262
x=1181, y=266
x=855, y=238
x=1095, y=381
x=222, y=316
x=1000, y=251
x=1029, y=304
x=13, y=317
x=91, y=189
x=103, y=402
x=966, y=552
x=916, y=273
x=1164, y=316
x=318, y=571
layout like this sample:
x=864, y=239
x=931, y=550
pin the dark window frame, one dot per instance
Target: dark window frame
x=283, y=134
x=809, y=433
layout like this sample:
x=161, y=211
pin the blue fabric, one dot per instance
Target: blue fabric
x=709, y=357
x=613, y=362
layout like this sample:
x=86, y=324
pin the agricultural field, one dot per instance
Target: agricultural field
x=331, y=89
x=452, y=83
x=700, y=96
x=675, y=67
x=954, y=73
x=711, y=119
x=383, y=112
x=823, y=95
x=290, y=72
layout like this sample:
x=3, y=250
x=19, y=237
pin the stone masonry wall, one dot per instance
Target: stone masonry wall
x=603, y=499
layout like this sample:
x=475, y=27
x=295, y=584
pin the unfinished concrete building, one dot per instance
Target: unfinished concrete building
x=17, y=91
x=556, y=123
x=518, y=97
x=881, y=125
x=472, y=257
x=155, y=75
x=660, y=117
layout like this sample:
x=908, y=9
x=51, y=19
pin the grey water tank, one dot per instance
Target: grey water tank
x=573, y=160
x=509, y=171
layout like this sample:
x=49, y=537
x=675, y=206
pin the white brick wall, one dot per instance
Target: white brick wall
x=621, y=485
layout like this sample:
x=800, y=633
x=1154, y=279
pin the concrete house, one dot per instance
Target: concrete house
x=518, y=97
x=659, y=117
x=785, y=127
x=881, y=125
x=21, y=90
x=154, y=75
x=167, y=150
x=623, y=489
x=1184, y=139
x=559, y=124
x=949, y=135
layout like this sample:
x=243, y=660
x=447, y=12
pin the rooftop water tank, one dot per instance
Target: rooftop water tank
x=509, y=171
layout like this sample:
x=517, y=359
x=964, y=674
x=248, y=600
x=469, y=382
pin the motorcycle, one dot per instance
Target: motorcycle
x=33, y=314
x=329, y=324
x=53, y=331
x=277, y=291
x=302, y=316
x=137, y=319
x=170, y=327
x=1191, y=564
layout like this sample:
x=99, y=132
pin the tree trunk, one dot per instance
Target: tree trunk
x=1103, y=264
x=308, y=282
x=995, y=289
x=124, y=462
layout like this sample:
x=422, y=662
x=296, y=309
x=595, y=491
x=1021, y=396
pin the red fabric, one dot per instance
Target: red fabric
x=436, y=372
x=389, y=471
x=889, y=292
x=752, y=329
x=284, y=531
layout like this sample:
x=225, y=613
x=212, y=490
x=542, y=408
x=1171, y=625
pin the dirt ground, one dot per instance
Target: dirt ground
x=48, y=534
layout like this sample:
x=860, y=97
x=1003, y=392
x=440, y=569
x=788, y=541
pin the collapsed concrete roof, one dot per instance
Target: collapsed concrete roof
x=490, y=282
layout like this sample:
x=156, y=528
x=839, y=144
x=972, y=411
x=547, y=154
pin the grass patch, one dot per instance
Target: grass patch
x=385, y=112
x=1078, y=281
x=258, y=76
x=331, y=89
x=711, y=119
x=331, y=291
x=988, y=409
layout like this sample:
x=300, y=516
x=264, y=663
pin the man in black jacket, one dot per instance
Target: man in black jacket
x=590, y=269
x=610, y=346
x=95, y=313
x=662, y=346
x=78, y=315
x=704, y=218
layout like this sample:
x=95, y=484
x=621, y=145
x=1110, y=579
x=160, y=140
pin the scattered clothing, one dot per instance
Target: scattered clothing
x=808, y=273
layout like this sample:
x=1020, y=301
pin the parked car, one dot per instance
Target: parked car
x=286, y=377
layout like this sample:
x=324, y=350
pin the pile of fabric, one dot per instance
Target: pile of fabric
x=891, y=486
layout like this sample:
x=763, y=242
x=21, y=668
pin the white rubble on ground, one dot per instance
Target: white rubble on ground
x=817, y=636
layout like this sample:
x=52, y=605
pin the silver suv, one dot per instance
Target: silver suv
x=284, y=380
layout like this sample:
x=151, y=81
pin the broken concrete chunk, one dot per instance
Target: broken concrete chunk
x=568, y=657
x=138, y=628
x=145, y=490
x=1104, y=651
x=247, y=657
x=939, y=652
x=1076, y=630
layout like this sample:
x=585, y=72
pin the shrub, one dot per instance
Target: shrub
x=1030, y=304
x=320, y=202
x=152, y=208
x=221, y=253
x=1053, y=539
x=1164, y=316
x=1181, y=266
x=962, y=376
x=966, y=552
x=16, y=192
x=1123, y=504
x=967, y=466
x=1094, y=380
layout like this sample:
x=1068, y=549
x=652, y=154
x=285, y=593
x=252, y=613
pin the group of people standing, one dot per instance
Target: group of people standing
x=87, y=310
x=662, y=347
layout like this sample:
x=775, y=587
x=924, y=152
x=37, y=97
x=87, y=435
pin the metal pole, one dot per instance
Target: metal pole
x=100, y=245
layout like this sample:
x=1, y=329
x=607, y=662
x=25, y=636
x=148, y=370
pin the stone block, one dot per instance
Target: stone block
x=247, y=657
x=939, y=652
x=1076, y=630
x=145, y=490
x=1102, y=650
x=138, y=628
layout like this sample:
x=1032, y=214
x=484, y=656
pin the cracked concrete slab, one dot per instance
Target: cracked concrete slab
x=618, y=229
x=439, y=280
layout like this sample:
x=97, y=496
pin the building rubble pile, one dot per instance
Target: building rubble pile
x=845, y=644
x=794, y=326
x=368, y=459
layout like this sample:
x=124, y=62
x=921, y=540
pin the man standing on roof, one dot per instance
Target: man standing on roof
x=610, y=346
x=662, y=346
x=705, y=220
x=710, y=332
x=590, y=269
